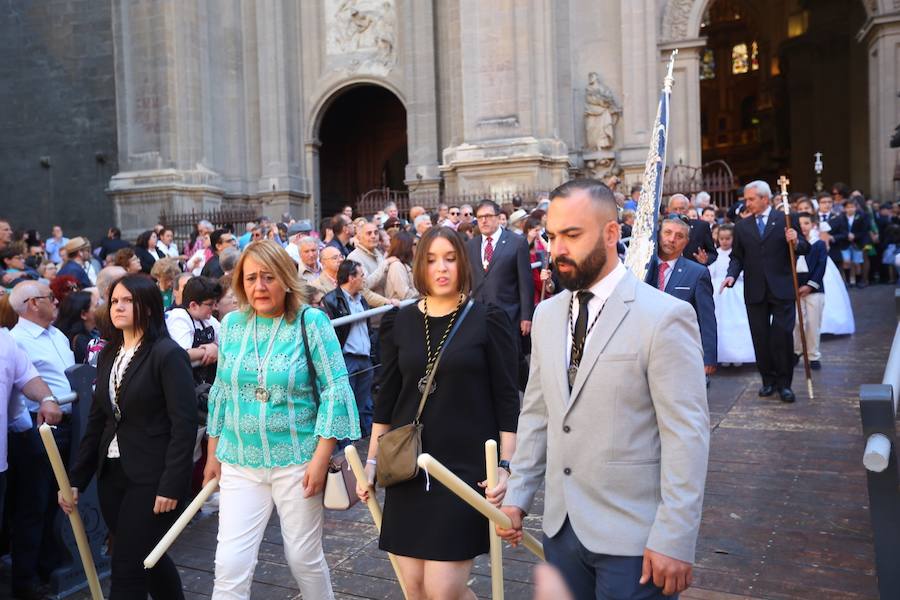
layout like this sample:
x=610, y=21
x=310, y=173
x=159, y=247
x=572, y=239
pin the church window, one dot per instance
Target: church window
x=740, y=59
x=754, y=56
x=708, y=64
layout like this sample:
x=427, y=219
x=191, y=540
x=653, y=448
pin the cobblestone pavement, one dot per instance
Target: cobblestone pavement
x=785, y=513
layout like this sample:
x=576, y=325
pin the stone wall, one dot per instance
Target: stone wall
x=58, y=106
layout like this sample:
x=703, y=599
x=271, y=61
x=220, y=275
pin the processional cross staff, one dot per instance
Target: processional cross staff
x=783, y=183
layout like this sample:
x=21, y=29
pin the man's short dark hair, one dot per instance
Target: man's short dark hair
x=347, y=268
x=636, y=188
x=115, y=232
x=199, y=290
x=337, y=225
x=215, y=237
x=598, y=191
x=487, y=203
x=841, y=188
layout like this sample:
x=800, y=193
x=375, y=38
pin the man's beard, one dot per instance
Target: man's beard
x=586, y=273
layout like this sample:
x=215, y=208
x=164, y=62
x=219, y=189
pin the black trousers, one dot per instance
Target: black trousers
x=33, y=505
x=772, y=330
x=128, y=511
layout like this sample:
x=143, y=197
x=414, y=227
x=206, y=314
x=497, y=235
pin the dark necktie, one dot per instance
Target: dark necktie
x=581, y=325
x=760, y=224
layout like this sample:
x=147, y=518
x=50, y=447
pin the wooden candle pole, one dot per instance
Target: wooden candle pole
x=65, y=488
x=374, y=509
x=179, y=525
x=783, y=183
x=490, y=456
x=475, y=500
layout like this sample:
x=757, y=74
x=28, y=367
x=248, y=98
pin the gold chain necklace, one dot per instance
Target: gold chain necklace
x=431, y=357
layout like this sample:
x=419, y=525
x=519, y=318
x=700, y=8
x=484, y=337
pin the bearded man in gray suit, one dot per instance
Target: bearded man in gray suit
x=614, y=417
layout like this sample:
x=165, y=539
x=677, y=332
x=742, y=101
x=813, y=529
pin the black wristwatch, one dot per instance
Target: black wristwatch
x=504, y=464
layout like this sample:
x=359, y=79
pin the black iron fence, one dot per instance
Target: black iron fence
x=184, y=224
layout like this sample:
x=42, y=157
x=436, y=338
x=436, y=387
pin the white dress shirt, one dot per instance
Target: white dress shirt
x=181, y=327
x=495, y=238
x=15, y=371
x=602, y=291
x=50, y=354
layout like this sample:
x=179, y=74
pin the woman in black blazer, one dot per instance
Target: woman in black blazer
x=139, y=438
x=146, y=251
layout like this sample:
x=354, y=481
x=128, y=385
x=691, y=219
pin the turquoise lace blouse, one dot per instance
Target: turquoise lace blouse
x=284, y=430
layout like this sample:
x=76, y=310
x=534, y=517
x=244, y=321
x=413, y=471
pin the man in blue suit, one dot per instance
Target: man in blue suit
x=687, y=280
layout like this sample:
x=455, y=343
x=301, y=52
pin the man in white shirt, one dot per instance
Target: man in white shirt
x=31, y=478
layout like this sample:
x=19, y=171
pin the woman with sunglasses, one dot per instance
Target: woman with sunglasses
x=139, y=439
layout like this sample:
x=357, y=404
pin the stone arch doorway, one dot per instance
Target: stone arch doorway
x=363, y=140
x=781, y=80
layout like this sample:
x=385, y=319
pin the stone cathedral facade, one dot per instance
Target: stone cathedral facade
x=274, y=103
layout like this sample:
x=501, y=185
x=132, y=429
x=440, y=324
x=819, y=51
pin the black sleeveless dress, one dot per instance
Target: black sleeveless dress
x=476, y=398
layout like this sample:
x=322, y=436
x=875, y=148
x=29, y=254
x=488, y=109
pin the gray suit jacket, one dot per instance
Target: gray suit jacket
x=625, y=454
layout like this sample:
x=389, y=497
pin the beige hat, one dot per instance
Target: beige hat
x=76, y=244
x=518, y=215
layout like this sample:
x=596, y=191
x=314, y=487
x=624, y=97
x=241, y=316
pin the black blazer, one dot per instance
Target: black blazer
x=840, y=230
x=146, y=257
x=159, y=421
x=765, y=260
x=701, y=237
x=692, y=283
x=335, y=305
x=507, y=283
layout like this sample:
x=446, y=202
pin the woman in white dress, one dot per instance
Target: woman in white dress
x=837, y=314
x=735, y=345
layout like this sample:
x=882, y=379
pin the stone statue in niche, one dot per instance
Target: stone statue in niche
x=601, y=111
x=362, y=34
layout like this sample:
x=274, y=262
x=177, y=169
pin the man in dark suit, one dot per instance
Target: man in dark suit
x=700, y=247
x=501, y=273
x=761, y=251
x=688, y=281
x=220, y=239
x=112, y=243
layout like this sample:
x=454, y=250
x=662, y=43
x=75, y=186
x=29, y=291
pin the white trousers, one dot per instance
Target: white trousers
x=813, y=308
x=246, y=498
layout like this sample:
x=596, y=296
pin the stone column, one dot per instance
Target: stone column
x=161, y=57
x=684, y=144
x=883, y=40
x=509, y=119
x=641, y=83
x=423, y=178
x=279, y=185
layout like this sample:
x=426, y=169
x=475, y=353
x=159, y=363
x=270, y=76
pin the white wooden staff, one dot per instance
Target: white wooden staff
x=475, y=500
x=178, y=526
x=490, y=459
x=62, y=479
x=374, y=509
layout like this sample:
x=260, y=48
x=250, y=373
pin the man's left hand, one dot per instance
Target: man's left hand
x=49, y=413
x=526, y=327
x=790, y=234
x=701, y=256
x=804, y=291
x=670, y=574
x=709, y=369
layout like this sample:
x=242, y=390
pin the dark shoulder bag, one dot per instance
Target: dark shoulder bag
x=399, y=448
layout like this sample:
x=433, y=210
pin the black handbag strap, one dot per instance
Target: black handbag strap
x=434, y=367
x=309, y=361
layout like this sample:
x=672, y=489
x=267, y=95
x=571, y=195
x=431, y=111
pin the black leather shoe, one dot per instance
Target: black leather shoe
x=766, y=390
x=815, y=365
x=786, y=395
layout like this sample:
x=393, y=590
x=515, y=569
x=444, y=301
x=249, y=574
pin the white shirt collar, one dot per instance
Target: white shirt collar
x=30, y=327
x=603, y=289
x=495, y=237
x=765, y=214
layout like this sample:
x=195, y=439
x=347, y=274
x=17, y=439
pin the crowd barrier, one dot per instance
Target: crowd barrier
x=878, y=410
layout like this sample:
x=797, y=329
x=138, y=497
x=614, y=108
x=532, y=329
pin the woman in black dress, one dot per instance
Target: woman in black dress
x=434, y=534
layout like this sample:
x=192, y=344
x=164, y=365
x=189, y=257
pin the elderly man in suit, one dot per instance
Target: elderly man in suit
x=501, y=273
x=760, y=250
x=672, y=273
x=700, y=247
x=614, y=416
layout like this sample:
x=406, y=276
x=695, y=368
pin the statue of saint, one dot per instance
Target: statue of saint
x=600, y=115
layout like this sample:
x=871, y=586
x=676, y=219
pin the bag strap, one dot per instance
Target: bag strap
x=310, y=367
x=437, y=360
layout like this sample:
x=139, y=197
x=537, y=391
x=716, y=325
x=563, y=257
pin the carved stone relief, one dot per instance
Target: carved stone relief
x=361, y=35
x=675, y=20
x=601, y=111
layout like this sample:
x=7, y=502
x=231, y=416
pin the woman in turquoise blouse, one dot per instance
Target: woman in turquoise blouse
x=269, y=443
